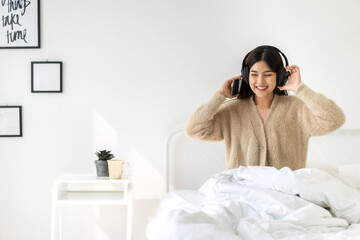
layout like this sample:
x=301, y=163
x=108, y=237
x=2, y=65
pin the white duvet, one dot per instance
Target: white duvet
x=261, y=203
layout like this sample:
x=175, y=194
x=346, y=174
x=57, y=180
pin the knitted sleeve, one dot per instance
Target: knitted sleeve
x=205, y=122
x=320, y=115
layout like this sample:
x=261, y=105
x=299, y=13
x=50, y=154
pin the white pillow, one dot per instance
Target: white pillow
x=350, y=174
x=327, y=167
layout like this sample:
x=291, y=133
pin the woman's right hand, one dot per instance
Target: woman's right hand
x=225, y=89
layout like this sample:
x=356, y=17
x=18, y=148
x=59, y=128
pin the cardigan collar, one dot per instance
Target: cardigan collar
x=270, y=113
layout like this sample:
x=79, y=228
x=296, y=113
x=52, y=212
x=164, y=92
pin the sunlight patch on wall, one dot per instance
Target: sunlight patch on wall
x=105, y=135
x=148, y=182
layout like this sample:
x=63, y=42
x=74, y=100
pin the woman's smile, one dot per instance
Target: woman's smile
x=261, y=88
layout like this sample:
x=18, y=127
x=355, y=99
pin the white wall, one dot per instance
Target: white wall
x=134, y=70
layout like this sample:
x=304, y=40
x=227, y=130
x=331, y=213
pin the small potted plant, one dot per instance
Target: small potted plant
x=102, y=169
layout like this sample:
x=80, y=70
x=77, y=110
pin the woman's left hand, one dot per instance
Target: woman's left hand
x=294, y=80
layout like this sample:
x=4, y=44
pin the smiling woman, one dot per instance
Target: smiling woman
x=262, y=125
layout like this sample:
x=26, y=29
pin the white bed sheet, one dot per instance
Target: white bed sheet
x=261, y=203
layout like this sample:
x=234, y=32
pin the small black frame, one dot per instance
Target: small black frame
x=46, y=77
x=11, y=121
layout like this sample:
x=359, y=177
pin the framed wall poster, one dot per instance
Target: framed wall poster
x=46, y=77
x=10, y=121
x=20, y=24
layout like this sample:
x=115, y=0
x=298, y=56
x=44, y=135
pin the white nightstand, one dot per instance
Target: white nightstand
x=88, y=189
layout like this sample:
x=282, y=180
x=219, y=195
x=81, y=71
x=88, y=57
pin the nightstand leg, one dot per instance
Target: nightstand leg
x=56, y=222
x=53, y=221
x=129, y=214
x=60, y=223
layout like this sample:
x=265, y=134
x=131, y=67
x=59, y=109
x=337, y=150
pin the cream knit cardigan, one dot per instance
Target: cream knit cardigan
x=281, y=140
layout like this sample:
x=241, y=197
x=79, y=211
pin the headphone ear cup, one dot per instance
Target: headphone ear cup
x=245, y=74
x=282, y=77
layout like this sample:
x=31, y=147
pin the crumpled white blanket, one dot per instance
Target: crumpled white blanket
x=260, y=203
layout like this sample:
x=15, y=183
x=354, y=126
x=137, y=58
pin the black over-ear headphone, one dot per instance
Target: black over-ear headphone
x=281, y=74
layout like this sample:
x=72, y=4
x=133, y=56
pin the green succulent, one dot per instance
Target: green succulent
x=104, y=155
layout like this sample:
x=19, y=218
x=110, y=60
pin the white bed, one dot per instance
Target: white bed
x=206, y=202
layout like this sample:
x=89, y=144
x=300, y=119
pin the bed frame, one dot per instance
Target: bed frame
x=189, y=163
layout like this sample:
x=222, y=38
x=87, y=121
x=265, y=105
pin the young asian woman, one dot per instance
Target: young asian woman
x=262, y=125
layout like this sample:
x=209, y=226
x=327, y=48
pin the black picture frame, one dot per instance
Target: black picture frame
x=46, y=77
x=11, y=121
x=20, y=24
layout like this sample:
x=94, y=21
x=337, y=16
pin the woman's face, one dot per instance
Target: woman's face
x=262, y=79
